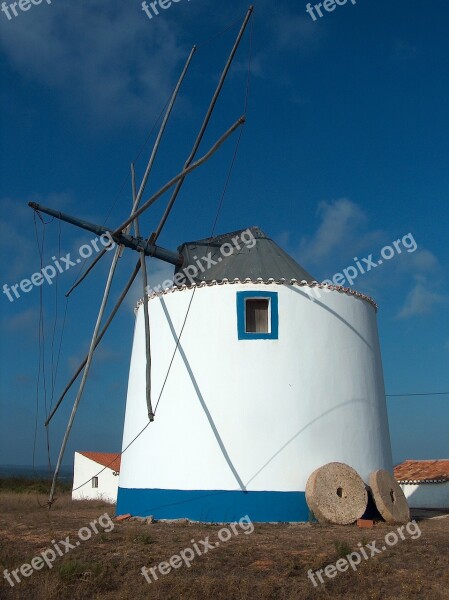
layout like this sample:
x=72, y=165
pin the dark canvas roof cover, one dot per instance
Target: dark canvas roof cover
x=263, y=259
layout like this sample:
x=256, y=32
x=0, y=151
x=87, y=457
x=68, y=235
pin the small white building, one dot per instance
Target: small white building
x=425, y=483
x=95, y=476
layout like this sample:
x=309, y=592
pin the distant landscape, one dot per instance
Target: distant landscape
x=39, y=472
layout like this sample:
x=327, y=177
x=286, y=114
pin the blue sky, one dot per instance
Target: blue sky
x=345, y=150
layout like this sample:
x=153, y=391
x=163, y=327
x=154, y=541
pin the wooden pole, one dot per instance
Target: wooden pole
x=143, y=270
x=162, y=130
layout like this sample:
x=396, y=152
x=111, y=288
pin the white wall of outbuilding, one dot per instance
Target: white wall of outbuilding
x=83, y=471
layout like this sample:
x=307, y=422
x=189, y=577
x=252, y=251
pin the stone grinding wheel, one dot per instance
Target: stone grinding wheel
x=389, y=498
x=335, y=493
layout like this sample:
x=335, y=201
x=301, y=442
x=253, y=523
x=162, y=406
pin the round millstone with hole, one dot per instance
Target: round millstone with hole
x=389, y=498
x=336, y=493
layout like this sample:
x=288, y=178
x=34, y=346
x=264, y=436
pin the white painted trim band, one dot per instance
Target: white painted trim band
x=271, y=281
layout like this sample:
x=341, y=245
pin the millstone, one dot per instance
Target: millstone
x=389, y=497
x=335, y=493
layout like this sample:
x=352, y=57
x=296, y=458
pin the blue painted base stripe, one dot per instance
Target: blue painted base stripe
x=211, y=506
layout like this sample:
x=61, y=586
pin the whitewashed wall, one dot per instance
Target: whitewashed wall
x=427, y=495
x=262, y=413
x=84, y=470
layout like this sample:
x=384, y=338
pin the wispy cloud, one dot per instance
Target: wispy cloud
x=105, y=57
x=421, y=262
x=420, y=300
x=296, y=32
x=339, y=220
x=22, y=322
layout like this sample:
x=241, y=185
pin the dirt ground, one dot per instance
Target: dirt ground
x=271, y=561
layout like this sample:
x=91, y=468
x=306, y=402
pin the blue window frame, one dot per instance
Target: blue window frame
x=243, y=314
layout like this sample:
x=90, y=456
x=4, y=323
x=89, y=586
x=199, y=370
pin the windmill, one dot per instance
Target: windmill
x=266, y=376
x=147, y=247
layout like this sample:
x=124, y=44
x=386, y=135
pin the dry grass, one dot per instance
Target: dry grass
x=271, y=563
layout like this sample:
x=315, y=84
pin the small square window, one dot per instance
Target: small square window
x=94, y=482
x=257, y=315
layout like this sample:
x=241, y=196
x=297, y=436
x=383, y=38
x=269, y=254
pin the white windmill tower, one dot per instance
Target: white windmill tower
x=262, y=376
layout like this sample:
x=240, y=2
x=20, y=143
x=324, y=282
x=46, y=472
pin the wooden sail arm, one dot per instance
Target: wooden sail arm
x=135, y=243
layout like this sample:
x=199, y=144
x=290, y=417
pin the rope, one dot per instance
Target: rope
x=55, y=326
x=41, y=350
x=59, y=351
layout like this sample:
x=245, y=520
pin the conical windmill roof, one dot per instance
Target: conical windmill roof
x=263, y=259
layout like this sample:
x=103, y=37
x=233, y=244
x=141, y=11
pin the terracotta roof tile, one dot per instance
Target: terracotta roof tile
x=112, y=461
x=422, y=471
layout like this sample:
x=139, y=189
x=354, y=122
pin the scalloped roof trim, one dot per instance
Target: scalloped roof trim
x=271, y=281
